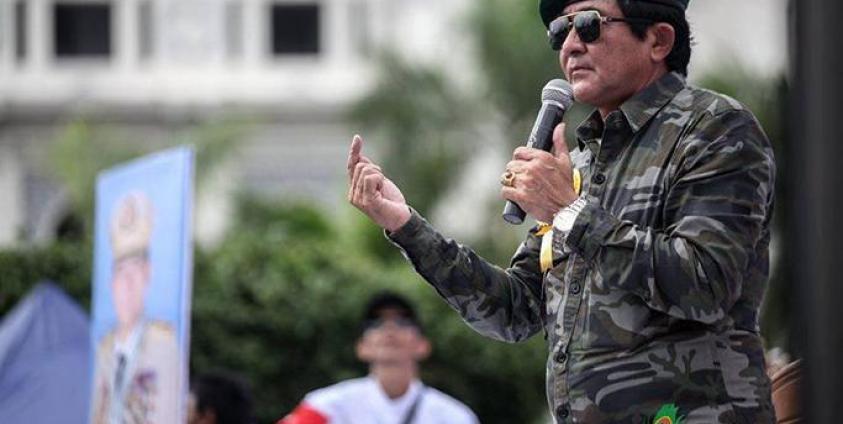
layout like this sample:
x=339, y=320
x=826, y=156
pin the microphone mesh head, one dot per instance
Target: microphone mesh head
x=558, y=91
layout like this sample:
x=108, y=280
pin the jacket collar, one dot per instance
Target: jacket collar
x=638, y=109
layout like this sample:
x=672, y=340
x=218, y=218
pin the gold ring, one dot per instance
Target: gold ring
x=508, y=179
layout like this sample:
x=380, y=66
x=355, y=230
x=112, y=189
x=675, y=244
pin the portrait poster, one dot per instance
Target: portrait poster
x=140, y=327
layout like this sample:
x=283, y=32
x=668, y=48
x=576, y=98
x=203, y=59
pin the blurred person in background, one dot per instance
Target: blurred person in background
x=649, y=264
x=392, y=343
x=137, y=362
x=219, y=398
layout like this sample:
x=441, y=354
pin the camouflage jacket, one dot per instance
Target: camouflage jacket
x=654, y=300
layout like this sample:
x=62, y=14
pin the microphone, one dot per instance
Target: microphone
x=557, y=97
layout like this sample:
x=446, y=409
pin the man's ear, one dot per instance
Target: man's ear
x=422, y=349
x=661, y=37
x=363, y=350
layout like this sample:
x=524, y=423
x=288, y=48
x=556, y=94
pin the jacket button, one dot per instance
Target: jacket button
x=562, y=412
x=575, y=288
x=598, y=179
x=561, y=357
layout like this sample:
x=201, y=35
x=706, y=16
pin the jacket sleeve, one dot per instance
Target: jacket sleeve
x=716, y=213
x=503, y=304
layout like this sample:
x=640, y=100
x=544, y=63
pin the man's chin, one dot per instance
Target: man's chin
x=392, y=359
x=583, y=92
x=127, y=323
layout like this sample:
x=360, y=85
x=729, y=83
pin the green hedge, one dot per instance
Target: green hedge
x=66, y=264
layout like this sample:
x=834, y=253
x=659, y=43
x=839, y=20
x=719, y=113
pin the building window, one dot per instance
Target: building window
x=82, y=30
x=20, y=30
x=295, y=29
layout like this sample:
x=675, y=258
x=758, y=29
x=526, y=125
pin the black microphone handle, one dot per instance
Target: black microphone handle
x=541, y=137
x=513, y=214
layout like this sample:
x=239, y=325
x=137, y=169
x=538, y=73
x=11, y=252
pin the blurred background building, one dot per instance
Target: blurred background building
x=443, y=90
x=154, y=67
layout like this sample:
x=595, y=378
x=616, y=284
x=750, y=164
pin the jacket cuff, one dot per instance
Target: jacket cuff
x=414, y=235
x=591, y=228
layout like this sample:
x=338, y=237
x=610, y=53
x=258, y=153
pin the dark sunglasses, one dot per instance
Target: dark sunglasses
x=398, y=322
x=587, y=23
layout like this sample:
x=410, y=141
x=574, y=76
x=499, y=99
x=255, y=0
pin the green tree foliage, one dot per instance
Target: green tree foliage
x=82, y=150
x=419, y=127
x=429, y=128
x=515, y=58
x=280, y=301
x=66, y=264
x=516, y=62
x=416, y=113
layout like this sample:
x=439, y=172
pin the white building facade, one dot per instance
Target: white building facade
x=156, y=66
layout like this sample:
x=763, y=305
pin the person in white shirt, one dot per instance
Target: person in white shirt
x=392, y=343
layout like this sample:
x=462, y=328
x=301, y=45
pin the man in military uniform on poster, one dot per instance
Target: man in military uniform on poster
x=659, y=261
x=137, y=362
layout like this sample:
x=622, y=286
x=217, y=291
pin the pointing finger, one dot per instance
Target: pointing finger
x=354, y=153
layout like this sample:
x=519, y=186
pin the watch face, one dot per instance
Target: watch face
x=563, y=221
x=557, y=220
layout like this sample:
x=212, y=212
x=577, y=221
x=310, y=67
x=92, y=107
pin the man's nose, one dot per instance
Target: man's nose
x=572, y=45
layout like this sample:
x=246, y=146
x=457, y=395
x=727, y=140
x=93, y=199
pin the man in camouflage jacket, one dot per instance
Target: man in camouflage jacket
x=659, y=261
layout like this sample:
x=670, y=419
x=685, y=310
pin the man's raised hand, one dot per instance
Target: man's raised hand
x=371, y=192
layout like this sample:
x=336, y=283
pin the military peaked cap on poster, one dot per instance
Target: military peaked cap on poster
x=551, y=9
x=131, y=226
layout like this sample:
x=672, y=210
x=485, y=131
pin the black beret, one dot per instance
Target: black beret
x=551, y=9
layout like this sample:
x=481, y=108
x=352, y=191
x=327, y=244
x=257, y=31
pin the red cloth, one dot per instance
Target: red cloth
x=304, y=414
